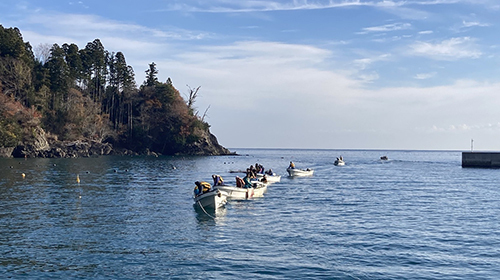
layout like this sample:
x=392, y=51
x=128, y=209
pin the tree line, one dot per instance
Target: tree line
x=89, y=94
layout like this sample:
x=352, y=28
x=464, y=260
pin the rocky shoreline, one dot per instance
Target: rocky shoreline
x=64, y=150
x=43, y=146
x=78, y=149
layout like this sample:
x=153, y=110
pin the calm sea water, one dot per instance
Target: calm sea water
x=417, y=216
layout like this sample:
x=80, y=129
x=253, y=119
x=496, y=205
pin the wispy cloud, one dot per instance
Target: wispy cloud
x=224, y=6
x=466, y=127
x=369, y=78
x=468, y=25
x=452, y=49
x=261, y=6
x=386, y=28
x=90, y=24
x=363, y=63
x=474, y=23
x=79, y=3
x=425, y=76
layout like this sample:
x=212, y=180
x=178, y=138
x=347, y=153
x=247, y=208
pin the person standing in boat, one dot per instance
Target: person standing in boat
x=292, y=165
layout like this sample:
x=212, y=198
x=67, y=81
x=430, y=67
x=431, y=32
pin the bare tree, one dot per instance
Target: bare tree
x=193, y=93
x=42, y=52
x=204, y=114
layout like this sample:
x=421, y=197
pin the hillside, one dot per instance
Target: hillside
x=63, y=101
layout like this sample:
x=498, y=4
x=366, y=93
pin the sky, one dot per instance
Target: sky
x=312, y=74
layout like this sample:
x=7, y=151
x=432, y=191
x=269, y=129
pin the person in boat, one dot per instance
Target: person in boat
x=239, y=182
x=201, y=187
x=252, y=170
x=264, y=179
x=247, y=180
x=260, y=168
x=218, y=181
x=292, y=165
x=269, y=172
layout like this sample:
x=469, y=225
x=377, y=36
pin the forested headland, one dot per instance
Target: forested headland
x=63, y=101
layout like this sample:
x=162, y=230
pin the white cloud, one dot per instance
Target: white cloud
x=90, y=26
x=363, y=63
x=425, y=76
x=452, y=49
x=468, y=25
x=369, y=77
x=467, y=127
x=386, y=28
x=224, y=6
x=474, y=23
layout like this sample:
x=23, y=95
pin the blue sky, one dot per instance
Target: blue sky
x=336, y=74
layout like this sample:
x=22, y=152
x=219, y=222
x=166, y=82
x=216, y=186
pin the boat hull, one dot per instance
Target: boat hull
x=236, y=193
x=270, y=178
x=294, y=172
x=211, y=200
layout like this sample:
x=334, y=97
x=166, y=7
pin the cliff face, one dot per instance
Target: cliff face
x=207, y=145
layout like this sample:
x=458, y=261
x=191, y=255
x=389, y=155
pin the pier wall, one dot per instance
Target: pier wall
x=481, y=159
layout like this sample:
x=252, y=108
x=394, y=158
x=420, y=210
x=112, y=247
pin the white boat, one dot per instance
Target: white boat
x=339, y=162
x=295, y=172
x=238, y=193
x=270, y=178
x=213, y=199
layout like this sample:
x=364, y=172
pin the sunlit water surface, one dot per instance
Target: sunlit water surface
x=419, y=215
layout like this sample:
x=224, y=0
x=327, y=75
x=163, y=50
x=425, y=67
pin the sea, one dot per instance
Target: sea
x=418, y=215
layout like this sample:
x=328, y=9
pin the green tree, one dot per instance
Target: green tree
x=16, y=66
x=59, y=76
x=151, y=75
x=74, y=62
x=94, y=66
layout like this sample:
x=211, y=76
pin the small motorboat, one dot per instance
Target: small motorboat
x=295, y=172
x=269, y=178
x=238, y=193
x=213, y=199
x=384, y=158
x=339, y=162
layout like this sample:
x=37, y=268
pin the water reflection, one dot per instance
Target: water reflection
x=210, y=217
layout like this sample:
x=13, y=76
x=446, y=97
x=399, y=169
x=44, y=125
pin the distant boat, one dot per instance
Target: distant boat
x=384, y=158
x=339, y=162
x=295, y=172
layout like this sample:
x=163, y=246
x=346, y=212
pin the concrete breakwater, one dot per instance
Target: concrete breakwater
x=481, y=159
